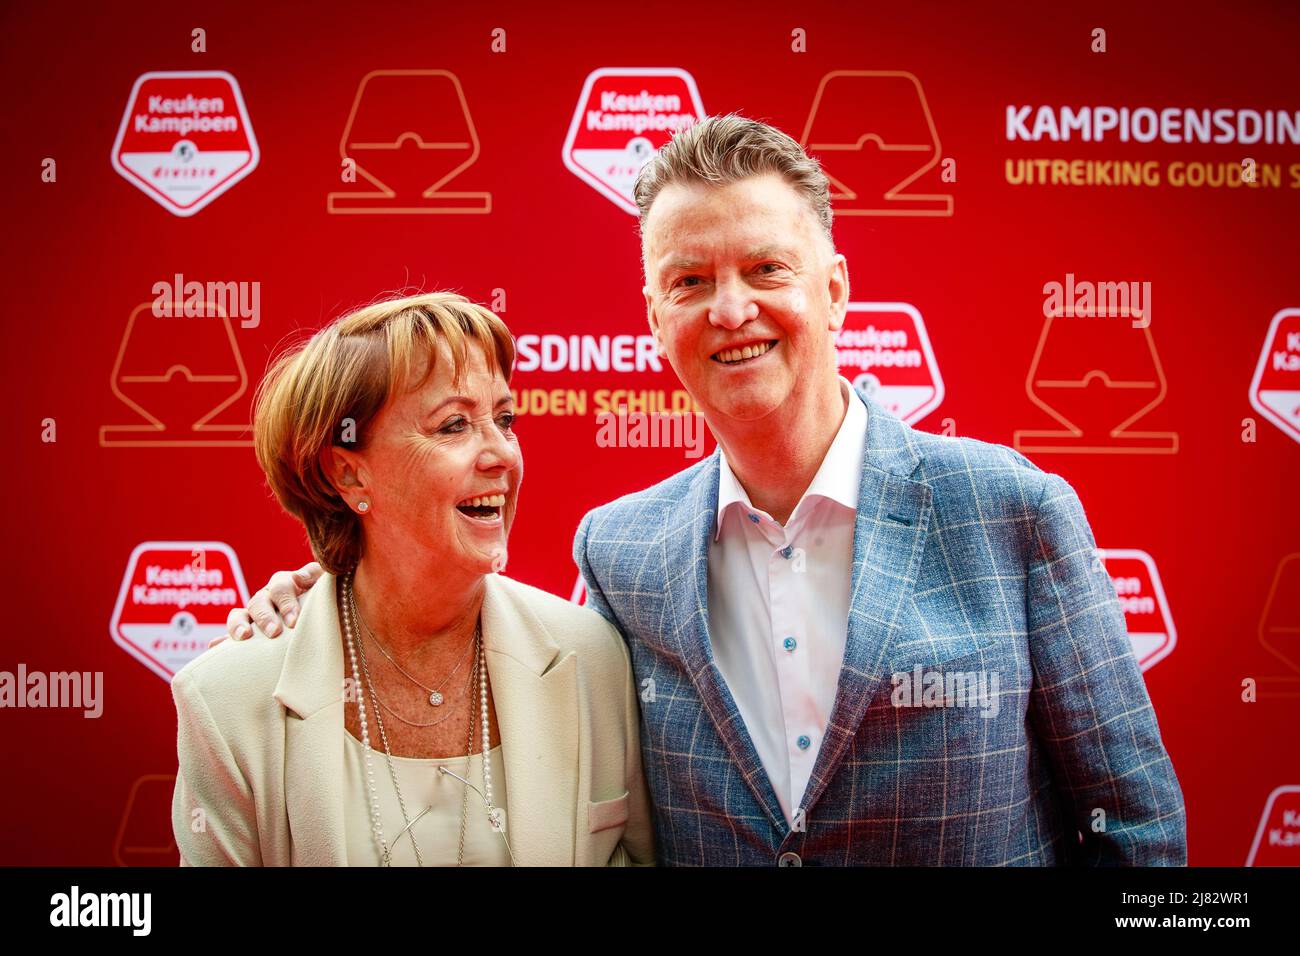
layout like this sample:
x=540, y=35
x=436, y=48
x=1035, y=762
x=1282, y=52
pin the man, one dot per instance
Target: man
x=856, y=643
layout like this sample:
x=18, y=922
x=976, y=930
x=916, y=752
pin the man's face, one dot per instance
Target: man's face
x=743, y=270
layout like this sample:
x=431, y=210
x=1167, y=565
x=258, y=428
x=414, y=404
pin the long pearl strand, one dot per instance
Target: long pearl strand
x=376, y=826
x=494, y=813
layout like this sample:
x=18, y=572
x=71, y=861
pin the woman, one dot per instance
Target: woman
x=427, y=711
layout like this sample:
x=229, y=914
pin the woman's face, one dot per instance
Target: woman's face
x=441, y=468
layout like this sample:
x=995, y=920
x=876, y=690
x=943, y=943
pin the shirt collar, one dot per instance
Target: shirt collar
x=838, y=479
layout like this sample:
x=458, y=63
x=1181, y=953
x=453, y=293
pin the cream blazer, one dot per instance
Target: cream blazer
x=260, y=739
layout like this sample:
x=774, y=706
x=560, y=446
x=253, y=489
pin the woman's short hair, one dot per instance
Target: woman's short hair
x=720, y=150
x=327, y=391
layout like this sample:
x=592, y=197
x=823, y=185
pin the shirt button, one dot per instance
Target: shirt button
x=754, y=518
x=804, y=742
x=787, y=551
x=790, y=644
x=789, y=859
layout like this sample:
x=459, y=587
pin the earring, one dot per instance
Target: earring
x=363, y=506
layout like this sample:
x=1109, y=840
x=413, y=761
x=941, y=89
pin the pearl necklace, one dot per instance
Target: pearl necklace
x=376, y=824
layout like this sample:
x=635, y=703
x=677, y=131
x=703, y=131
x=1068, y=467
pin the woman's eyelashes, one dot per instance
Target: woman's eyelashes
x=459, y=424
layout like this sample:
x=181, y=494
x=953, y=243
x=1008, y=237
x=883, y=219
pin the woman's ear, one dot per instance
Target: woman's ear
x=344, y=471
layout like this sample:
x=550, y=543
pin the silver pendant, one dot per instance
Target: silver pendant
x=436, y=698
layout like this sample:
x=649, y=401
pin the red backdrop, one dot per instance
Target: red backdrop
x=1211, y=503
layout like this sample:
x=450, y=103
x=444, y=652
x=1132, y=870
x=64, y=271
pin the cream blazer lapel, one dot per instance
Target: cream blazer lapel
x=311, y=687
x=536, y=700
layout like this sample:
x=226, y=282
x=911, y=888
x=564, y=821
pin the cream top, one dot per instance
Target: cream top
x=438, y=831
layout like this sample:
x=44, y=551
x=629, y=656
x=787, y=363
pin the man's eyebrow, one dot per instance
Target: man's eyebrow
x=771, y=252
x=506, y=399
x=685, y=262
x=675, y=263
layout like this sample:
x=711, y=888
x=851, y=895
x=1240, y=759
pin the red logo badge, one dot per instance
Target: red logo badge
x=884, y=351
x=1277, y=841
x=623, y=116
x=1142, y=597
x=185, y=138
x=175, y=597
x=1275, y=389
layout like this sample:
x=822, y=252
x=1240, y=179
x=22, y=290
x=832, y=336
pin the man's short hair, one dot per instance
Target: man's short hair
x=327, y=391
x=721, y=150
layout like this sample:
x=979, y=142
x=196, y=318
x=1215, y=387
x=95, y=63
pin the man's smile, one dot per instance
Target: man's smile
x=739, y=355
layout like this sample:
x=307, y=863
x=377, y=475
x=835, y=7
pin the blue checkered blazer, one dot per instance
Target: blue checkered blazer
x=966, y=558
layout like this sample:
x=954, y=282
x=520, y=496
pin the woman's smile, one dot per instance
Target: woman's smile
x=485, y=510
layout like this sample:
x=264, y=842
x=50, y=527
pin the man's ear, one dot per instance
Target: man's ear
x=653, y=319
x=343, y=469
x=837, y=287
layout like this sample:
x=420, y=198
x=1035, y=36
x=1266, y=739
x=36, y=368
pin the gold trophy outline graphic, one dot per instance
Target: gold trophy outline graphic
x=145, y=822
x=410, y=133
x=186, y=369
x=888, y=109
x=1089, y=373
x=1279, y=627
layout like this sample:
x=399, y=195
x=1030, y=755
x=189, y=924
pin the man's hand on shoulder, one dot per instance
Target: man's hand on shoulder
x=273, y=606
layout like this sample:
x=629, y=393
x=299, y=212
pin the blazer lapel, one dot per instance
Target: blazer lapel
x=536, y=700
x=888, y=540
x=537, y=712
x=686, y=569
x=311, y=688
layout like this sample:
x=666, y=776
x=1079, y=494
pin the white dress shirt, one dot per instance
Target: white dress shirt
x=779, y=606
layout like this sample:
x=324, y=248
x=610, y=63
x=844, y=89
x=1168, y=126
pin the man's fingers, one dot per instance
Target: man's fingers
x=264, y=615
x=217, y=640
x=286, y=599
x=307, y=575
x=238, y=626
x=273, y=607
x=280, y=597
